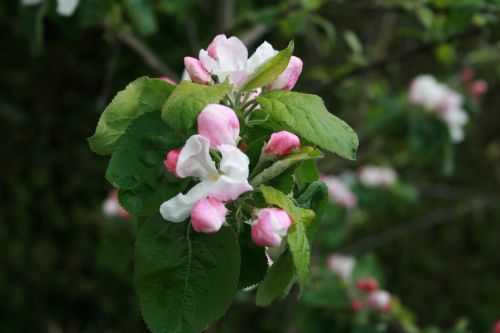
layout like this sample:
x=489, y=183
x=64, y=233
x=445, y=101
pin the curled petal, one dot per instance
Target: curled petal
x=232, y=54
x=194, y=159
x=179, y=207
x=290, y=75
x=212, y=48
x=226, y=188
x=263, y=53
x=234, y=162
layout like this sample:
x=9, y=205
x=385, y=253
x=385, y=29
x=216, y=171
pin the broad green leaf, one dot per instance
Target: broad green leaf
x=282, y=165
x=277, y=198
x=136, y=166
x=139, y=97
x=301, y=251
x=187, y=101
x=306, y=173
x=270, y=70
x=278, y=280
x=142, y=14
x=253, y=260
x=184, y=280
x=307, y=116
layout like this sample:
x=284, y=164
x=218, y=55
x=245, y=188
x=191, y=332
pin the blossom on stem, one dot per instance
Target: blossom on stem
x=282, y=143
x=271, y=226
x=219, y=124
x=478, y=88
x=367, y=284
x=208, y=215
x=288, y=79
x=197, y=72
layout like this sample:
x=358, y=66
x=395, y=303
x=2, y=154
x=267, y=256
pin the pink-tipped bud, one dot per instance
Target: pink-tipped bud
x=196, y=71
x=212, y=48
x=496, y=328
x=171, y=161
x=219, y=124
x=467, y=74
x=478, y=88
x=356, y=305
x=271, y=226
x=380, y=300
x=208, y=215
x=367, y=284
x=290, y=76
x=167, y=79
x=282, y=143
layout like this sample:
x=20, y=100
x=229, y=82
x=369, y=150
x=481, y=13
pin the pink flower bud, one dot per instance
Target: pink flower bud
x=380, y=300
x=478, y=88
x=219, y=124
x=271, y=226
x=171, y=161
x=208, y=215
x=290, y=75
x=167, y=79
x=282, y=143
x=196, y=71
x=367, y=284
x=212, y=48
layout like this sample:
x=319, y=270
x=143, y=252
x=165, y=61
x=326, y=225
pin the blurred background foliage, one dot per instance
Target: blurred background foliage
x=431, y=239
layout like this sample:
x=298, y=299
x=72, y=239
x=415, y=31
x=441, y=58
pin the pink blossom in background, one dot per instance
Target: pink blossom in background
x=340, y=192
x=112, y=208
x=374, y=176
x=342, y=265
x=380, y=300
x=478, y=88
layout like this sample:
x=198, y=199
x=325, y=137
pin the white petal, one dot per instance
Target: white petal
x=30, y=2
x=179, y=207
x=227, y=188
x=232, y=55
x=66, y=7
x=263, y=53
x=194, y=159
x=234, y=163
x=208, y=62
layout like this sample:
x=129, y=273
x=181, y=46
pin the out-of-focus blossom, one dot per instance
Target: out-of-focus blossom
x=208, y=215
x=367, y=284
x=342, y=265
x=282, y=143
x=439, y=99
x=167, y=79
x=496, y=328
x=219, y=124
x=380, y=300
x=112, y=208
x=63, y=8
x=356, y=305
x=271, y=226
x=340, y=192
x=374, y=176
x=467, y=74
x=478, y=88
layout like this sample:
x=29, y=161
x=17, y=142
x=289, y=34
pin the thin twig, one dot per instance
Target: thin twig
x=149, y=57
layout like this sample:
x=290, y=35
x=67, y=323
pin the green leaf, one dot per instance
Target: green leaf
x=306, y=173
x=184, y=280
x=278, y=280
x=301, y=251
x=307, y=116
x=270, y=70
x=277, y=198
x=253, y=260
x=187, y=101
x=142, y=14
x=315, y=198
x=136, y=166
x=277, y=168
x=139, y=97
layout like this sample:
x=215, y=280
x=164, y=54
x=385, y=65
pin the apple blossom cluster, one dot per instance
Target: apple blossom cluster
x=442, y=101
x=227, y=58
x=376, y=176
x=340, y=191
x=364, y=293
